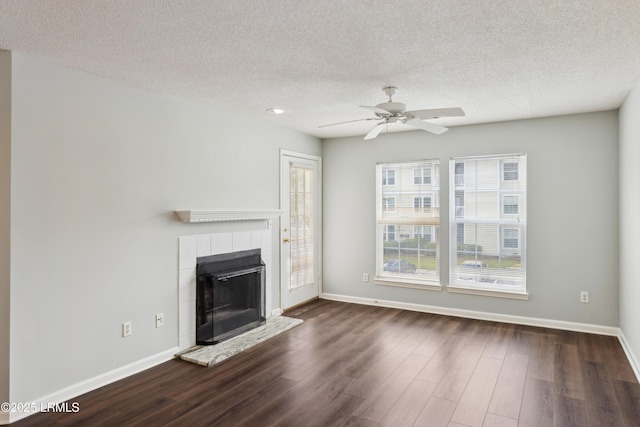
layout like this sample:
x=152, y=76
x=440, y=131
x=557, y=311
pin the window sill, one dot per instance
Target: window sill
x=401, y=282
x=488, y=292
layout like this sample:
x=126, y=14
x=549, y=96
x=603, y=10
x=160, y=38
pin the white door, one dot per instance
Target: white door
x=300, y=231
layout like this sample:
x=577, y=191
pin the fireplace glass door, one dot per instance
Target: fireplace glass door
x=230, y=296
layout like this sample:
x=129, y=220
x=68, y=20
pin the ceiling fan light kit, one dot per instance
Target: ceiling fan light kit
x=391, y=112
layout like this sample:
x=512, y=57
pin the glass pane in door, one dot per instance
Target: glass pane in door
x=301, y=223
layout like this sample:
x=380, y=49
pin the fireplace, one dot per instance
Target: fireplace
x=230, y=295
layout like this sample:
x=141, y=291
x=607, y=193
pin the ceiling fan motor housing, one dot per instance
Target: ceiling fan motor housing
x=392, y=107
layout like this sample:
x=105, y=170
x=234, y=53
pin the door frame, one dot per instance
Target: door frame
x=286, y=156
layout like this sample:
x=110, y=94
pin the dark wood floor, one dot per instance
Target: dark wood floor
x=355, y=365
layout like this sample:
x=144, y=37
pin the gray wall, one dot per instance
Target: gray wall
x=572, y=213
x=629, y=226
x=5, y=220
x=98, y=168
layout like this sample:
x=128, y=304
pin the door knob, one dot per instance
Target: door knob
x=286, y=240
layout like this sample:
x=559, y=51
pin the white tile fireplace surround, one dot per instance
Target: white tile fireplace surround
x=191, y=247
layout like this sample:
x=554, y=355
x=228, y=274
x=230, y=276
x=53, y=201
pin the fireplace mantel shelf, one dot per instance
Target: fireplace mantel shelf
x=194, y=215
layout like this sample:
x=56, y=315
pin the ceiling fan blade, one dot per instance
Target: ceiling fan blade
x=377, y=110
x=375, y=131
x=429, y=127
x=435, y=113
x=348, y=121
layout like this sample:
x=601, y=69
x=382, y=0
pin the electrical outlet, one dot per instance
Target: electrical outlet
x=365, y=277
x=159, y=320
x=584, y=296
x=126, y=329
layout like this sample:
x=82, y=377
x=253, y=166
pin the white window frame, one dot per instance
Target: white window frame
x=404, y=216
x=491, y=280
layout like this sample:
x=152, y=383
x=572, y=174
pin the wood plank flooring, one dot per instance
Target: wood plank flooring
x=354, y=365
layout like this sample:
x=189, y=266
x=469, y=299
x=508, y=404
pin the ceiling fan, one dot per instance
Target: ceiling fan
x=395, y=112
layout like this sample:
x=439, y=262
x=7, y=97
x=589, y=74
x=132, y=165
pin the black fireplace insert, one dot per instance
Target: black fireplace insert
x=229, y=295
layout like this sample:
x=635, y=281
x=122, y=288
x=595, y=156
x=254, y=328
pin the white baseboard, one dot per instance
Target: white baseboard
x=630, y=355
x=480, y=315
x=276, y=312
x=92, y=384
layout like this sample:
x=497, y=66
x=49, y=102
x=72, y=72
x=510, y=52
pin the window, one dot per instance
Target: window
x=422, y=204
x=459, y=208
x=389, y=177
x=425, y=232
x=510, y=204
x=422, y=176
x=488, y=223
x=389, y=232
x=407, y=219
x=510, y=238
x=509, y=171
x=460, y=233
x=459, y=177
x=389, y=204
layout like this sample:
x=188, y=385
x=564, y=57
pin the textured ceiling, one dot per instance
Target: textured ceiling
x=498, y=60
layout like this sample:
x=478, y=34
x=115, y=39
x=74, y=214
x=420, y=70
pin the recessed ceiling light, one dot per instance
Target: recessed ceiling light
x=275, y=110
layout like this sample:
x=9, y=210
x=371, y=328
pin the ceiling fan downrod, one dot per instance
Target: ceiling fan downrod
x=390, y=91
